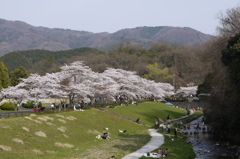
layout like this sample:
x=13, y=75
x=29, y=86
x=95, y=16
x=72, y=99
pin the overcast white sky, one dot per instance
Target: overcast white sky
x=112, y=15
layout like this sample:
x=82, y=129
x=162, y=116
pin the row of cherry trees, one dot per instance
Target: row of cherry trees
x=79, y=81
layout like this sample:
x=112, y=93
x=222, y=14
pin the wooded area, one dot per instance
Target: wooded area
x=171, y=63
x=224, y=112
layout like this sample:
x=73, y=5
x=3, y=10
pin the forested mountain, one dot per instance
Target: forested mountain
x=18, y=36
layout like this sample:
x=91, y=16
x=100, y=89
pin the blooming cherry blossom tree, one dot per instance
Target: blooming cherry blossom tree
x=186, y=91
x=130, y=84
x=78, y=81
x=37, y=86
x=15, y=95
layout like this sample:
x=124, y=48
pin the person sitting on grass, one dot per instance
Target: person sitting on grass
x=122, y=131
x=159, y=155
x=166, y=152
x=105, y=136
x=160, y=150
x=134, y=102
x=98, y=137
x=112, y=157
x=138, y=120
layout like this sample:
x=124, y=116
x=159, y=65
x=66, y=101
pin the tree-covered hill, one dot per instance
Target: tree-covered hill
x=19, y=36
x=29, y=58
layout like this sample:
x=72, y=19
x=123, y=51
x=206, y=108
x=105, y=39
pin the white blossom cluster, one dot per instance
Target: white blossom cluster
x=79, y=81
x=186, y=91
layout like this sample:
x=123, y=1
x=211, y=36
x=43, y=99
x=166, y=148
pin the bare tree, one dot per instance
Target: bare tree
x=229, y=22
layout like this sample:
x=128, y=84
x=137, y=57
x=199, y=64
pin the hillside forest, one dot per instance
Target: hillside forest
x=213, y=66
x=174, y=64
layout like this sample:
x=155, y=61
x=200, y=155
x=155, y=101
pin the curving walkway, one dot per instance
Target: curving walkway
x=156, y=141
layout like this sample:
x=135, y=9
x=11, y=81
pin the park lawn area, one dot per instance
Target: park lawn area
x=5, y=110
x=69, y=135
x=72, y=135
x=178, y=147
x=148, y=112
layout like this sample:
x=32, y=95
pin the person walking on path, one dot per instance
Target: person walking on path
x=169, y=128
x=175, y=132
x=168, y=118
x=157, y=124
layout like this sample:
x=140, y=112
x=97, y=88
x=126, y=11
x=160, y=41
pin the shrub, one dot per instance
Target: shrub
x=29, y=104
x=40, y=104
x=8, y=106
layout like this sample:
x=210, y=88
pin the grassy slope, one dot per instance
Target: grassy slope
x=81, y=132
x=177, y=147
x=148, y=111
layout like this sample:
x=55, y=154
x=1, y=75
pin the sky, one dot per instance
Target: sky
x=112, y=15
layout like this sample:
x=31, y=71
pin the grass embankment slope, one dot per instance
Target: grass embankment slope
x=72, y=134
x=177, y=146
x=148, y=111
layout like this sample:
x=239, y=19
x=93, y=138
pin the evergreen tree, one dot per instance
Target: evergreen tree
x=4, y=78
x=231, y=58
x=17, y=74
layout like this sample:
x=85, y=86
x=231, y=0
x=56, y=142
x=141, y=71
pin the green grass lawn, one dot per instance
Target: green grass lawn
x=177, y=147
x=148, y=111
x=71, y=135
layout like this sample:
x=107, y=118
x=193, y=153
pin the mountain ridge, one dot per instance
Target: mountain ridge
x=19, y=36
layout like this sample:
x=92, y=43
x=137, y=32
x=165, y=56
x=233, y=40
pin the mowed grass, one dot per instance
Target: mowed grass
x=177, y=147
x=148, y=112
x=71, y=135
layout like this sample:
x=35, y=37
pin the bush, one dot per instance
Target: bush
x=8, y=106
x=40, y=104
x=29, y=104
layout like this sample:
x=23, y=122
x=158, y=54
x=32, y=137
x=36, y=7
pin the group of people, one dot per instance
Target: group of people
x=110, y=106
x=39, y=109
x=162, y=152
x=167, y=127
x=134, y=102
x=58, y=107
x=104, y=136
x=196, y=127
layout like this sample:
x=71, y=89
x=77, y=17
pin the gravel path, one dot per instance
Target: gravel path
x=156, y=141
